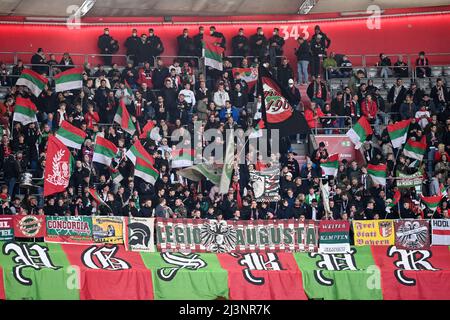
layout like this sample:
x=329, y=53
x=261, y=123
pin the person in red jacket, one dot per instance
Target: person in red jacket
x=145, y=76
x=369, y=109
x=91, y=117
x=312, y=115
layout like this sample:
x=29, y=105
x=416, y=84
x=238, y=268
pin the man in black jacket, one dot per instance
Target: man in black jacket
x=284, y=73
x=396, y=96
x=198, y=38
x=143, y=51
x=318, y=52
x=185, y=44
x=295, y=96
x=160, y=73
x=324, y=40
x=258, y=44
x=132, y=44
x=104, y=44
x=276, y=44
x=155, y=45
x=440, y=95
x=303, y=53
x=38, y=61
x=239, y=44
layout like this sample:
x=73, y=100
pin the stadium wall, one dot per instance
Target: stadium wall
x=401, y=34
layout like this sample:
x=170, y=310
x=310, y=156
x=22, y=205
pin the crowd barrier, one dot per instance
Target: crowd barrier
x=107, y=270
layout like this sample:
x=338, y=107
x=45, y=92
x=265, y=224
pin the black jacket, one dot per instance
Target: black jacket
x=239, y=50
x=104, y=43
x=303, y=52
x=131, y=44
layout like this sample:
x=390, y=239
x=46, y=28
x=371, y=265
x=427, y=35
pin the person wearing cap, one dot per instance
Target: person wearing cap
x=284, y=72
x=318, y=52
x=38, y=61
x=104, y=44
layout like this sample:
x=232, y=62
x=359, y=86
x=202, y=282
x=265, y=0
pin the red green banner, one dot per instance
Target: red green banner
x=122, y=272
x=414, y=274
x=263, y=276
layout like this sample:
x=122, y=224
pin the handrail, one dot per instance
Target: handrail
x=318, y=121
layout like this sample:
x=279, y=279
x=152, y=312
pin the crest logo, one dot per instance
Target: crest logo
x=28, y=256
x=410, y=260
x=385, y=229
x=60, y=170
x=412, y=235
x=334, y=262
x=190, y=261
x=30, y=225
x=104, y=258
x=218, y=237
x=257, y=261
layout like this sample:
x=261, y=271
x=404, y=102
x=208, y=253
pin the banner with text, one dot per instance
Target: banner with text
x=334, y=236
x=440, y=232
x=374, y=232
x=29, y=226
x=197, y=235
x=6, y=228
x=72, y=229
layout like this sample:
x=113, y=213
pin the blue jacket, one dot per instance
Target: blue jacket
x=234, y=114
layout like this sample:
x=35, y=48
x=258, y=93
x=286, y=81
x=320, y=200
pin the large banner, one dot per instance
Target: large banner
x=6, y=228
x=414, y=274
x=139, y=234
x=266, y=184
x=51, y=271
x=107, y=230
x=197, y=235
x=374, y=232
x=412, y=234
x=334, y=236
x=72, y=229
x=29, y=226
x=440, y=232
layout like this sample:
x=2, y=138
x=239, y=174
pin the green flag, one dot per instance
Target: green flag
x=193, y=276
x=349, y=276
x=37, y=271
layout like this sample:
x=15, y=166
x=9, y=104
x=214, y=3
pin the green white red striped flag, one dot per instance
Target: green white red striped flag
x=69, y=80
x=432, y=202
x=123, y=118
x=395, y=199
x=378, y=173
x=257, y=130
x=249, y=75
x=359, y=133
x=129, y=90
x=33, y=81
x=443, y=190
x=330, y=167
x=146, y=171
x=104, y=151
x=94, y=194
x=147, y=130
x=415, y=149
x=70, y=135
x=137, y=151
x=182, y=158
x=398, y=132
x=212, y=52
x=24, y=111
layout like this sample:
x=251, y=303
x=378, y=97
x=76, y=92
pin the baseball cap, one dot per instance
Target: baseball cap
x=291, y=81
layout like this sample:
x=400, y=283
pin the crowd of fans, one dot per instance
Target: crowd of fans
x=176, y=96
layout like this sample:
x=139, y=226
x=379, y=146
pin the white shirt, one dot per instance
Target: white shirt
x=220, y=97
x=189, y=96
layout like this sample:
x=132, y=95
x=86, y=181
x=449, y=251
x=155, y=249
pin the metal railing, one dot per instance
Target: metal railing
x=320, y=129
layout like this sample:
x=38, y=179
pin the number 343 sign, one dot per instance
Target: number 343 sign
x=294, y=32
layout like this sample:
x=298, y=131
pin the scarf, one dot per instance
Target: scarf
x=236, y=187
